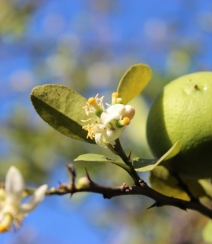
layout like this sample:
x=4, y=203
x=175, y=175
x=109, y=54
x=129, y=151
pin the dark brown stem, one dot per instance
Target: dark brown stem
x=141, y=189
x=118, y=148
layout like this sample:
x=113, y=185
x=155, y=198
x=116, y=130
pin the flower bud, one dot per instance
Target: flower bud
x=82, y=183
x=129, y=112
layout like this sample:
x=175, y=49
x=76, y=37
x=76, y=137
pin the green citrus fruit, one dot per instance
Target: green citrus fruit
x=183, y=111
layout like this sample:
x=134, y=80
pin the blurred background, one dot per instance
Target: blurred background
x=87, y=46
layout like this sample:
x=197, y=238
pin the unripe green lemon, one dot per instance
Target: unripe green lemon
x=183, y=111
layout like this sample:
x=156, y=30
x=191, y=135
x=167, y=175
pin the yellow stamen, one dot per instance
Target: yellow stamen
x=116, y=99
x=121, y=123
x=119, y=100
x=115, y=95
x=93, y=101
x=6, y=222
x=90, y=130
x=126, y=121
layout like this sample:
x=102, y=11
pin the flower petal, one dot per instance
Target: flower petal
x=38, y=196
x=98, y=128
x=14, y=186
x=112, y=135
x=100, y=140
x=114, y=112
x=120, y=108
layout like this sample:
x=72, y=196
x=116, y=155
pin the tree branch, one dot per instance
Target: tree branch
x=85, y=184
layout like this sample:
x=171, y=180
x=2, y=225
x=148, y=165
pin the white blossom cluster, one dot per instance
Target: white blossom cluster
x=109, y=123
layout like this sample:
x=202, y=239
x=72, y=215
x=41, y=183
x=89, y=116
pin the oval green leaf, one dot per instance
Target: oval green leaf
x=134, y=81
x=143, y=165
x=164, y=182
x=90, y=157
x=61, y=108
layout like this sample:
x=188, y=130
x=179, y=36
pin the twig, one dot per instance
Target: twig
x=118, y=148
x=123, y=190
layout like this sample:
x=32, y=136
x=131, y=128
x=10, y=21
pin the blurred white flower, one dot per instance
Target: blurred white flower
x=109, y=123
x=12, y=210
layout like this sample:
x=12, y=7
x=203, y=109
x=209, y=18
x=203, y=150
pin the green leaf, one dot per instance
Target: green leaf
x=207, y=186
x=174, y=150
x=206, y=233
x=62, y=109
x=89, y=157
x=134, y=81
x=143, y=165
x=164, y=182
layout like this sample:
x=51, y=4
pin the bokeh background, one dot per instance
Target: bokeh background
x=87, y=46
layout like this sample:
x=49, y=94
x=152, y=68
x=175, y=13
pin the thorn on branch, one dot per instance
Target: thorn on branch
x=155, y=204
x=73, y=175
x=129, y=156
x=72, y=172
x=182, y=206
x=88, y=176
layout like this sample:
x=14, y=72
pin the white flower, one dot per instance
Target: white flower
x=12, y=210
x=109, y=123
